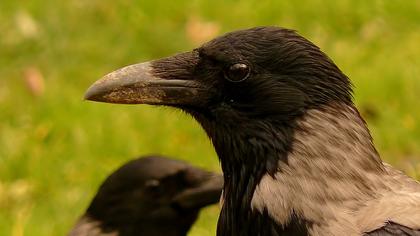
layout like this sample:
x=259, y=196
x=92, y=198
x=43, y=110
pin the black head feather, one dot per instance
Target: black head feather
x=287, y=73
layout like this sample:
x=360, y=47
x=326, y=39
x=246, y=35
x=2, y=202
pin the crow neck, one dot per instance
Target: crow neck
x=332, y=141
x=247, y=149
x=331, y=168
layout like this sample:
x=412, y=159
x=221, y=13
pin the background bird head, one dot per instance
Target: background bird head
x=153, y=196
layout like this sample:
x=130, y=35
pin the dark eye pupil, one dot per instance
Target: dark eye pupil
x=237, y=72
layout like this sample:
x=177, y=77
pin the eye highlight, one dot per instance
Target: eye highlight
x=237, y=72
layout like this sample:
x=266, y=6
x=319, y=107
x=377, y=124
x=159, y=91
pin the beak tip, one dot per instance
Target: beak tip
x=92, y=93
x=88, y=95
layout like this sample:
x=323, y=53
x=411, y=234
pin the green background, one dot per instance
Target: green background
x=55, y=148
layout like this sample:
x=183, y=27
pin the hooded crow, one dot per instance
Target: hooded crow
x=296, y=155
x=151, y=196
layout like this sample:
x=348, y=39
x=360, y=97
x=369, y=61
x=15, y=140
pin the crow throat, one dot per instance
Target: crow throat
x=251, y=149
x=247, y=150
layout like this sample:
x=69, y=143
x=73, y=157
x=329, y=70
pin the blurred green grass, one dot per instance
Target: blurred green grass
x=55, y=148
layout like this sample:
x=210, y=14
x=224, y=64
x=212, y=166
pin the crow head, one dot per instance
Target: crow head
x=153, y=196
x=246, y=89
x=264, y=72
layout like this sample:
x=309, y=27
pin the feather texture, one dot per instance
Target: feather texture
x=343, y=188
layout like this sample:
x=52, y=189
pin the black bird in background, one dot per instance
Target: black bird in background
x=297, y=158
x=150, y=196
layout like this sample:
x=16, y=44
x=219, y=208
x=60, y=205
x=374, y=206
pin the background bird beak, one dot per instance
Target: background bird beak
x=208, y=192
x=136, y=84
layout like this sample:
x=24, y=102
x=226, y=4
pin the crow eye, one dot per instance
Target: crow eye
x=237, y=72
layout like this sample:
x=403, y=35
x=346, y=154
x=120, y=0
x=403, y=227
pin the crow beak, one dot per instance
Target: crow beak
x=208, y=192
x=137, y=84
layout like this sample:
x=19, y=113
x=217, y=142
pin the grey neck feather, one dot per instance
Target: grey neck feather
x=335, y=141
x=332, y=170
